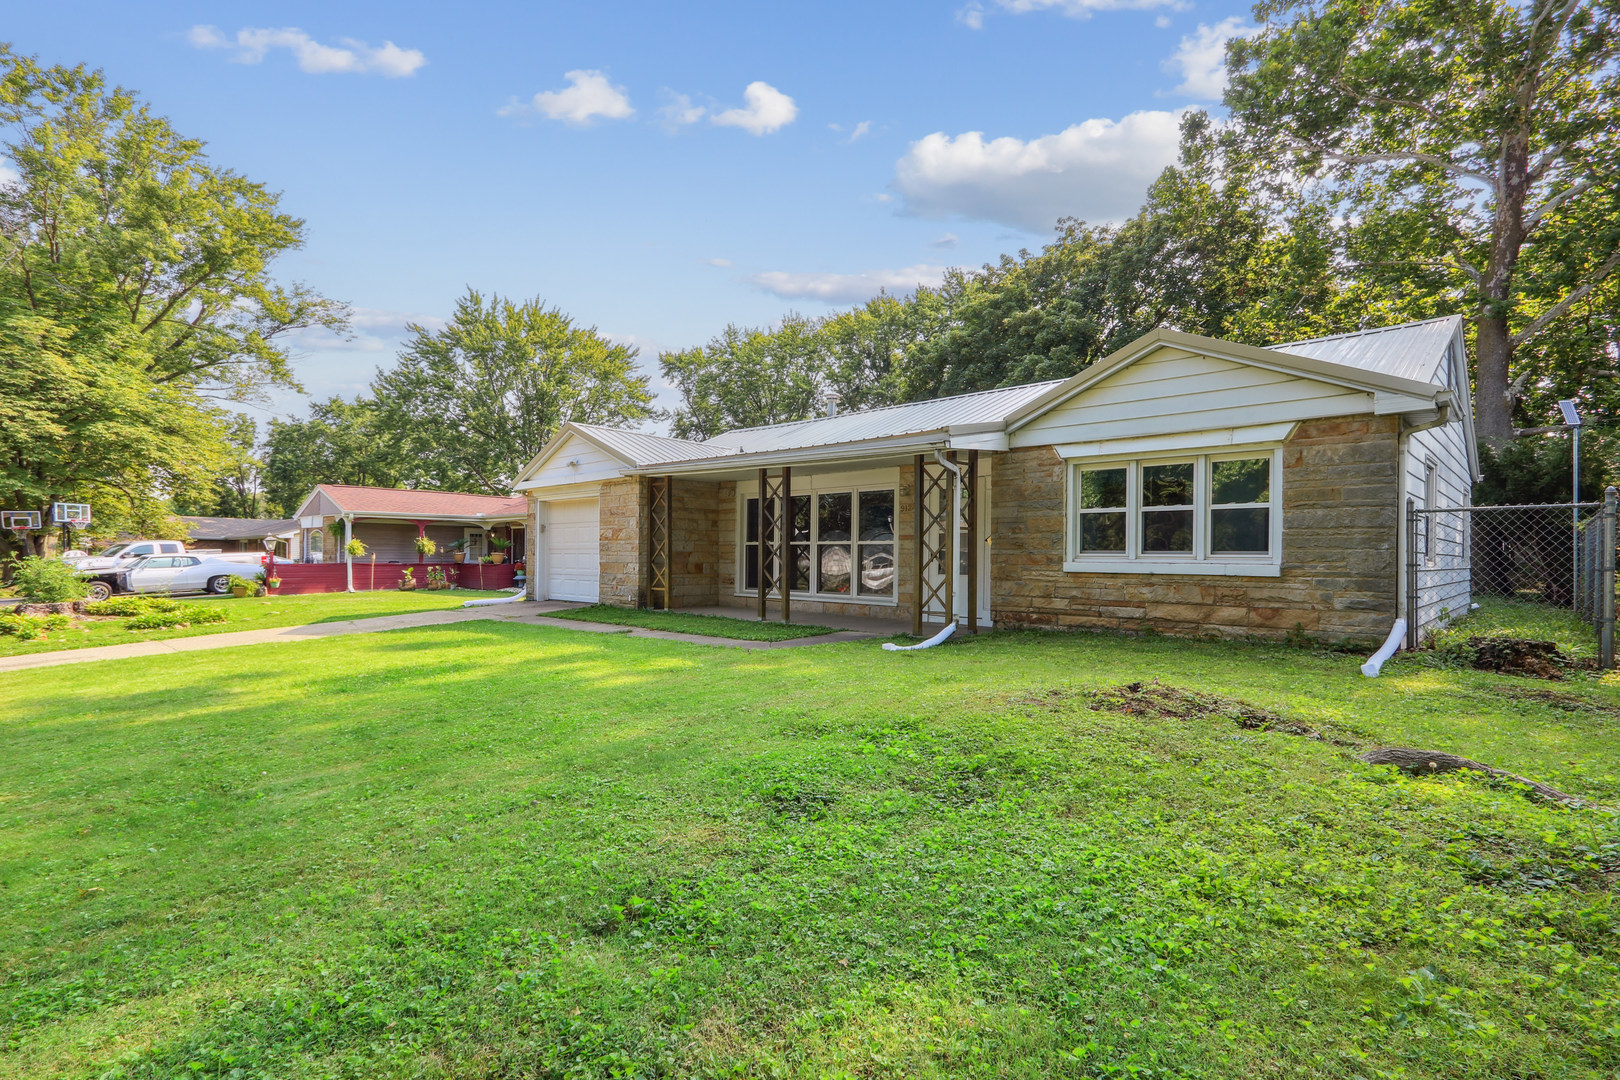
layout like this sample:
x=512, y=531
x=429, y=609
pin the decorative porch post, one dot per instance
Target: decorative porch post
x=970, y=481
x=660, y=491
x=760, y=518
x=348, y=556
x=917, y=547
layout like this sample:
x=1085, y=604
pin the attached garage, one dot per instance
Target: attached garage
x=571, y=542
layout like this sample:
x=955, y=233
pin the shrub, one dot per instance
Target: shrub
x=29, y=627
x=47, y=581
x=126, y=606
x=240, y=582
x=164, y=620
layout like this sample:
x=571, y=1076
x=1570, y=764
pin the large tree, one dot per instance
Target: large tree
x=1470, y=144
x=340, y=442
x=135, y=292
x=747, y=377
x=472, y=403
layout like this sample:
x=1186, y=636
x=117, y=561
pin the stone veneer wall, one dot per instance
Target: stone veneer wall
x=904, y=531
x=623, y=550
x=1341, y=529
x=694, y=548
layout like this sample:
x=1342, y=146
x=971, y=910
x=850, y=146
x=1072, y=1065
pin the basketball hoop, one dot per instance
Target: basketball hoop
x=19, y=520
x=73, y=515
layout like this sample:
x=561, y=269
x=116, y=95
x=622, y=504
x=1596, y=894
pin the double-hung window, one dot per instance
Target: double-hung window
x=841, y=544
x=1198, y=514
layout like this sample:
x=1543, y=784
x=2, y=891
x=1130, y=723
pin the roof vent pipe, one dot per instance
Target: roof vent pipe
x=831, y=400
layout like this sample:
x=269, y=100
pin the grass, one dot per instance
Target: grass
x=248, y=613
x=497, y=850
x=685, y=622
x=1497, y=617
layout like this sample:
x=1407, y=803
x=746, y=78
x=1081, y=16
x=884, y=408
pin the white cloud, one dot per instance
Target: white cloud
x=722, y=263
x=349, y=56
x=1162, y=22
x=972, y=16
x=949, y=240
x=1200, y=59
x=846, y=288
x=588, y=96
x=8, y=175
x=861, y=129
x=1097, y=170
x=767, y=110
x=371, y=330
x=678, y=111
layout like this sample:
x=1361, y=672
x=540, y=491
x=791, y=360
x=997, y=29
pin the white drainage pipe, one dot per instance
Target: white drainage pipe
x=522, y=594
x=937, y=639
x=1375, y=664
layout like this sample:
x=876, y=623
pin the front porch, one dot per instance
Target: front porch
x=837, y=543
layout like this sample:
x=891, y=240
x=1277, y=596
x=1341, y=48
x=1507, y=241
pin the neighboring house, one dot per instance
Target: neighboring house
x=389, y=520
x=243, y=534
x=1184, y=483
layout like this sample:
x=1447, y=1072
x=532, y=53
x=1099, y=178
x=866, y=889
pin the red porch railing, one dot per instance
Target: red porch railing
x=300, y=578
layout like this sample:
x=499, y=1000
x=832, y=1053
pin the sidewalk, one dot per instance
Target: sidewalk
x=528, y=612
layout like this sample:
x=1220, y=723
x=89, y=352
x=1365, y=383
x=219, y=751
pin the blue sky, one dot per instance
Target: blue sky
x=656, y=170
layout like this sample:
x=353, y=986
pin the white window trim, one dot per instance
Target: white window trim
x=812, y=490
x=1199, y=561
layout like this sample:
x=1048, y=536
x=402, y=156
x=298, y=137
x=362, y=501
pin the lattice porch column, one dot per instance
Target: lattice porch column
x=660, y=512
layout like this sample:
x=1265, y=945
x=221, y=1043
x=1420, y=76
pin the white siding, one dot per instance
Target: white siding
x=1444, y=540
x=594, y=465
x=1175, y=391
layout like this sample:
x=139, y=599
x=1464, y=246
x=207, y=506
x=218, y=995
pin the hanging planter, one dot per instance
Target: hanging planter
x=425, y=546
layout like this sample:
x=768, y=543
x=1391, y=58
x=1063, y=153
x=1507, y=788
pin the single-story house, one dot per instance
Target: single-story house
x=389, y=521
x=243, y=534
x=1184, y=483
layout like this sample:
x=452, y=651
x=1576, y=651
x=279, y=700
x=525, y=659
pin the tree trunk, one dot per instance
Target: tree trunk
x=1493, y=353
x=1493, y=342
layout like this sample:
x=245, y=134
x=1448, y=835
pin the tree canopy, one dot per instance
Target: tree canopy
x=1469, y=145
x=469, y=405
x=135, y=295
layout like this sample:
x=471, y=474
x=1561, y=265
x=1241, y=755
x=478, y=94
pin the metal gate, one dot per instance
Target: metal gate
x=1558, y=554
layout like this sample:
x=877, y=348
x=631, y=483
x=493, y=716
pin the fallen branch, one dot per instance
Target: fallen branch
x=1429, y=762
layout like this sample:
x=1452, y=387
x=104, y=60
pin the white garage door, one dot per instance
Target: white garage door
x=573, y=532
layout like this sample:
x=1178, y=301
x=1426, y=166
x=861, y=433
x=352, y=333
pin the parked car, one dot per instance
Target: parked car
x=102, y=570
x=181, y=574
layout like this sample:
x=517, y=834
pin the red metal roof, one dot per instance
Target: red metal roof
x=458, y=504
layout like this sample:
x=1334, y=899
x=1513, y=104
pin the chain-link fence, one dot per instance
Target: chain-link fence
x=1560, y=554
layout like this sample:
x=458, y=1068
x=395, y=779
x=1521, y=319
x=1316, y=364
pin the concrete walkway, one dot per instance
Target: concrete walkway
x=527, y=612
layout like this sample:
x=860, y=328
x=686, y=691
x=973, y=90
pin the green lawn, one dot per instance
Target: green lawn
x=248, y=613
x=497, y=850
x=684, y=622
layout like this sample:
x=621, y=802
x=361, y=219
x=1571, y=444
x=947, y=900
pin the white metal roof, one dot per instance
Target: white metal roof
x=1415, y=351
x=639, y=448
x=940, y=414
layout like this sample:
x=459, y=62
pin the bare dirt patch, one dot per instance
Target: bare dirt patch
x=1519, y=656
x=1161, y=701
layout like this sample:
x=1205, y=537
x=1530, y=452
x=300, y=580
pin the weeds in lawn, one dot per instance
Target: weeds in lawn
x=195, y=615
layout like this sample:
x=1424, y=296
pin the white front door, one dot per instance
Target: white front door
x=571, y=542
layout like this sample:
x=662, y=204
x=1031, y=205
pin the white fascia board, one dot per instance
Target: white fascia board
x=1256, y=435
x=443, y=519
x=585, y=489
x=992, y=437
x=1387, y=404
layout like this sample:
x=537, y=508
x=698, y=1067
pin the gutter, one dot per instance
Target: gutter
x=823, y=453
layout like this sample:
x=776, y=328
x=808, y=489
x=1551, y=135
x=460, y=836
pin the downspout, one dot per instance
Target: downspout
x=348, y=556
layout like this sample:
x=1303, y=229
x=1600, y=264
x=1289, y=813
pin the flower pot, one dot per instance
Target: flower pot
x=498, y=557
x=239, y=591
x=458, y=556
x=273, y=584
